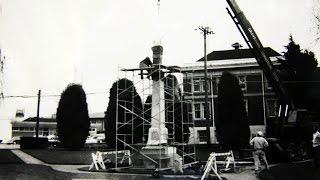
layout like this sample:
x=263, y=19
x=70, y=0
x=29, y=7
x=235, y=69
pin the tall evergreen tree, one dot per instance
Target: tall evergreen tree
x=232, y=122
x=299, y=69
x=72, y=117
x=124, y=102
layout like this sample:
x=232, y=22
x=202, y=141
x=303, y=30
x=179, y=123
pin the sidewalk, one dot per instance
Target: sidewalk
x=9, y=146
x=26, y=158
x=246, y=173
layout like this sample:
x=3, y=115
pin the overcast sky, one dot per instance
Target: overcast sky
x=49, y=44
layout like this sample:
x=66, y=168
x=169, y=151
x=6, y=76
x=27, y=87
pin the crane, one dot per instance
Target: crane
x=254, y=43
x=297, y=120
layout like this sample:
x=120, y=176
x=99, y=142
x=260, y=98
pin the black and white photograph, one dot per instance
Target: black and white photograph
x=160, y=89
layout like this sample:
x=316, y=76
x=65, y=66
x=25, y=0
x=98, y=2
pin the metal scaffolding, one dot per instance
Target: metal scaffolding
x=178, y=113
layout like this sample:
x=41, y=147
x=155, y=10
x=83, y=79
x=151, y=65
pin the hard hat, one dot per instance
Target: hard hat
x=260, y=133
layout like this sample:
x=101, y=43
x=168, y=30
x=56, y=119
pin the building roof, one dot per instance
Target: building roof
x=34, y=119
x=237, y=54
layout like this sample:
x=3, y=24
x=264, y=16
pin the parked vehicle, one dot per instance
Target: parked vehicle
x=14, y=140
x=53, y=140
x=95, y=138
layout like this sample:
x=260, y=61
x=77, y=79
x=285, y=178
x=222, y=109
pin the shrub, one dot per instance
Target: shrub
x=232, y=122
x=33, y=143
x=72, y=117
x=129, y=108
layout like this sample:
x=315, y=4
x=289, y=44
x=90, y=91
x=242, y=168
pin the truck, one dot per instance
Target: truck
x=290, y=119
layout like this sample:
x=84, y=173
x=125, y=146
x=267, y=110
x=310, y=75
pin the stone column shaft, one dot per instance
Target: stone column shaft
x=158, y=133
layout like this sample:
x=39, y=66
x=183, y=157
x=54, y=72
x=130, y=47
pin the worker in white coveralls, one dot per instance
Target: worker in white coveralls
x=259, y=144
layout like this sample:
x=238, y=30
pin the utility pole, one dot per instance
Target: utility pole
x=205, y=31
x=38, y=119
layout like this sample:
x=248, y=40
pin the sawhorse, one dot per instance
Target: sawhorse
x=98, y=160
x=212, y=163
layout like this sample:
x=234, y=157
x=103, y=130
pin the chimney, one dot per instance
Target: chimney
x=20, y=113
x=236, y=45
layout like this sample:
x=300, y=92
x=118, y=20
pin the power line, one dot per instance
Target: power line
x=105, y=92
x=48, y=95
x=19, y=96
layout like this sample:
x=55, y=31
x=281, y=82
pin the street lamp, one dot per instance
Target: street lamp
x=206, y=30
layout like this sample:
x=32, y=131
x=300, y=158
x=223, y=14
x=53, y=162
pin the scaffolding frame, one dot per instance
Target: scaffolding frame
x=142, y=85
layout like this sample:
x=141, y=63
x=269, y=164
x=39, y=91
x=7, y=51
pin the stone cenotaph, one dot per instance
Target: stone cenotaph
x=157, y=147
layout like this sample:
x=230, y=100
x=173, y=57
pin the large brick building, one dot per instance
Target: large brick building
x=260, y=100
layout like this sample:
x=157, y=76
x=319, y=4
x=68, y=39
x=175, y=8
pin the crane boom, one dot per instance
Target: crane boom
x=256, y=46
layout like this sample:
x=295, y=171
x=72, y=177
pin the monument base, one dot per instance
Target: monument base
x=157, y=136
x=163, y=157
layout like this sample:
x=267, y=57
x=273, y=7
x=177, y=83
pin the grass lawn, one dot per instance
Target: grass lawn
x=7, y=157
x=30, y=171
x=57, y=156
x=61, y=156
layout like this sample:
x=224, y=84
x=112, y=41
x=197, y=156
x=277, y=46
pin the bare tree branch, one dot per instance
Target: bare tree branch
x=316, y=14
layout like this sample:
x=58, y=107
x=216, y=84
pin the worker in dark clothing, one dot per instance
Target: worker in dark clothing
x=316, y=148
x=259, y=144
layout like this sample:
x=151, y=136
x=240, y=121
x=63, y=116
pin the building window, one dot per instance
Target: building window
x=199, y=109
x=204, y=108
x=29, y=129
x=199, y=86
x=242, y=83
x=202, y=136
x=45, y=131
x=15, y=128
x=271, y=107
